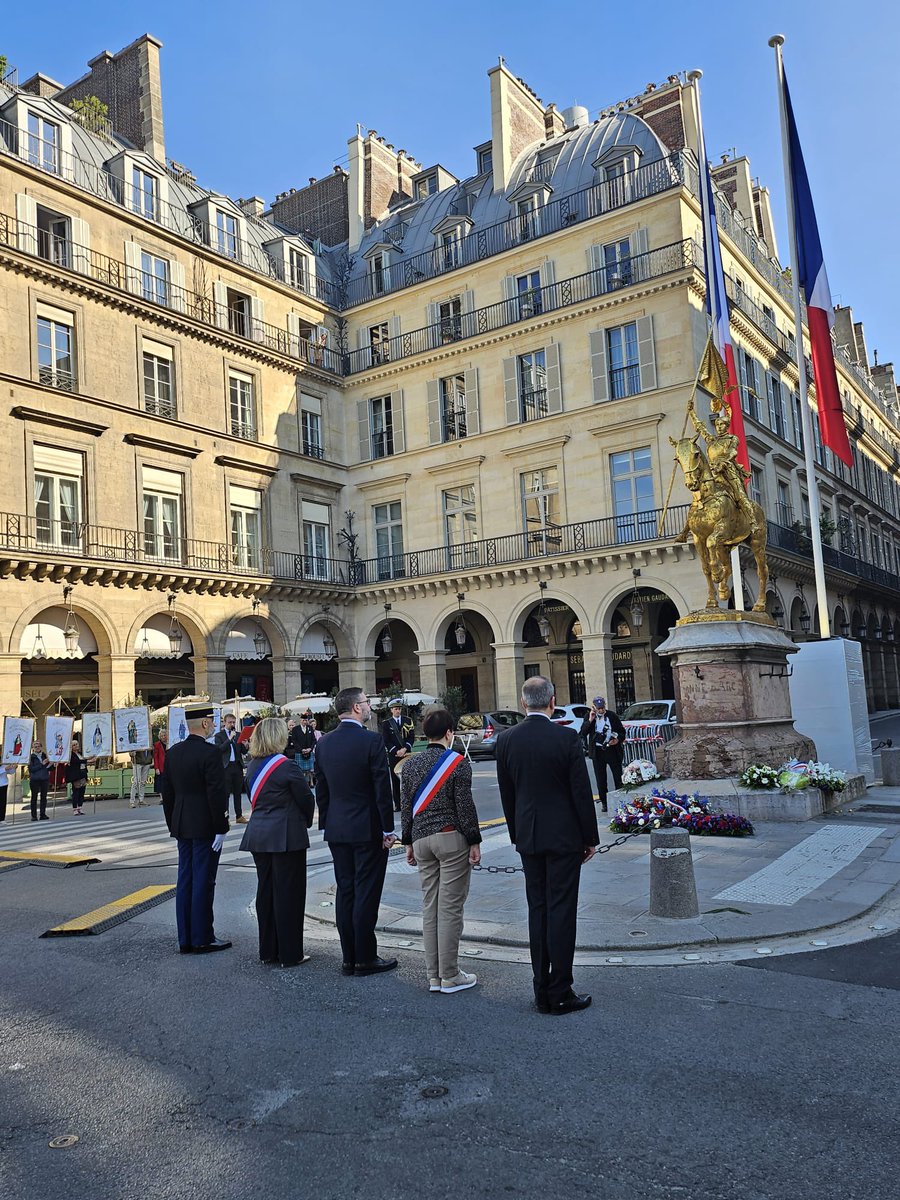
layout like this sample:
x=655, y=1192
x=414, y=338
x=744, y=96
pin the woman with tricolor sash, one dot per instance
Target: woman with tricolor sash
x=281, y=812
x=441, y=835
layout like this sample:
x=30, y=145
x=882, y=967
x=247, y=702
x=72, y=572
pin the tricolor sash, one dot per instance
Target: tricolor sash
x=265, y=770
x=435, y=779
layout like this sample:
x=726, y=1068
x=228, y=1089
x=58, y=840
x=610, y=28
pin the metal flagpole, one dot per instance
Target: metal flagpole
x=776, y=43
x=694, y=77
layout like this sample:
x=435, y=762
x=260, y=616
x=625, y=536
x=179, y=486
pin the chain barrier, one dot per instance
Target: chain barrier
x=604, y=849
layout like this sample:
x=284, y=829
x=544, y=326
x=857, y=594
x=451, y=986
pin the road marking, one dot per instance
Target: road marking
x=805, y=867
x=108, y=915
x=50, y=860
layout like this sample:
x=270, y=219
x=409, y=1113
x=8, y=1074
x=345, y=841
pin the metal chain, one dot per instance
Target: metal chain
x=620, y=841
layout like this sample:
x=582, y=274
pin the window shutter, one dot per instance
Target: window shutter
x=133, y=267
x=771, y=398
x=179, y=296
x=26, y=215
x=467, y=307
x=467, y=302
x=509, y=287
x=257, y=332
x=432, y=321
x=81, y=245
x=435, y=428
x=293, y=326
x=511, y=390
x=646, y=353
x=595, y=258
x=473, y=412
x=554, y=378
x=599, y=375
x=397, y=421
x=548, y=276
x=220, y=302
x=393, y=330
x=742, y=370
x=365, y=437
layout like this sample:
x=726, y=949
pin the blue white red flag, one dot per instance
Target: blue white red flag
x=717, y=302
x=820, y=313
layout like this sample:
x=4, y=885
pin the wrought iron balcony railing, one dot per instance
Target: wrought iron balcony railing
x=796, y=541
x=676, y=257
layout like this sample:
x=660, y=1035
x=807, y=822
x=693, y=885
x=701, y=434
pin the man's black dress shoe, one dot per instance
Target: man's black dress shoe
x=572, y=1003
x=185, y=949
x=347, y=969
x=375, y=966
x=215, y=944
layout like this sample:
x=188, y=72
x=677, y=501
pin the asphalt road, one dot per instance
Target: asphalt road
x=216, y=1077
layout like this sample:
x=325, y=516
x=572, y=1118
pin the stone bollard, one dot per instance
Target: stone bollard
x=673, y=892
x=890, y=766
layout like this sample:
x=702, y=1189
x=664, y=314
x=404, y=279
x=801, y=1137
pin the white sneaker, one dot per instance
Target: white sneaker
x=434, y=985
x=459, y=984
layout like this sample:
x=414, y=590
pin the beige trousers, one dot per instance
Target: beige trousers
x=444, y=872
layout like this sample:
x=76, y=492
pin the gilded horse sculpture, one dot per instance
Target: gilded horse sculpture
x=721, y=515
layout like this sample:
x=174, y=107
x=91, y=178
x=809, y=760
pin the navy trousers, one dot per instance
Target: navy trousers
x=359, y=870
x=194, y=891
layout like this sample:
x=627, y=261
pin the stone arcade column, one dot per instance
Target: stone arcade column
x=10, y=685
x=598, y=666
x=115, y=676
x=209, y=676
x=509, y=658
x=357, y=672
x=432, y=671
x=287, y=678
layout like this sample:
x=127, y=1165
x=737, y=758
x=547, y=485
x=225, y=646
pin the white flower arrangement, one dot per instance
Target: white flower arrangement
x=639, y=772
x=795, y=776
x=759, y=776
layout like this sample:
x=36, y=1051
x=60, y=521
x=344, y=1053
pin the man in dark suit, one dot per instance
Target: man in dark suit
x=606, y=735
x=195, y=803
x=398, y=741
x=353, y=793
x=233, y=753
x=549, y=807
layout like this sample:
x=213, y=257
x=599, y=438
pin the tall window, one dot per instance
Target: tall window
x=528, y=295
x=376, y=273
x=426, y=186
x=154, y=278
x=624, y=368
x=453, y=407
x=389, y=539
x=785, y=508
x=450, y=317
x=144, y=193
x=777, y=415
x=461, y=525
x=617, y=264
x=311, y=429
x=485, y=161
x=528, y=219
x=43, y=143
x=226, y=233
x=533, y=385
x=450, y=247
x=540, y=509
x=797, y=420
x=162, y=502
x=750, y=400
x=756, y=485
x=242, y=405
x=379, y=344
x=316, y=522
x=53, y=237
x=159, y=380
x=297, y=267
x=632, y=490
x=381, y=426
x=245, y=511
x=58, y=503
x=56, y=356
x=239, y=312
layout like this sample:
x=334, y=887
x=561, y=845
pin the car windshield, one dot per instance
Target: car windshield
x=648, y=710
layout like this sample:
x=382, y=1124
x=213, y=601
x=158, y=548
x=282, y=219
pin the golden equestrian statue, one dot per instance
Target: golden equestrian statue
x=721, y=516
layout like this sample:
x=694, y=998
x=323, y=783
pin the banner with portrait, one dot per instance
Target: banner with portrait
x=58, y=738
x=18, y=734
x=132, y=728
x=97, y=735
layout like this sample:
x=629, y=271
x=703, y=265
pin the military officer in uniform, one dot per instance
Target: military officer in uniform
x=195, y=803
x=398, y=736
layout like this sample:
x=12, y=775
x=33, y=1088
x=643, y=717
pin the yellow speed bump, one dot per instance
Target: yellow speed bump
x=51, y=860
x=105, y=917
x=11, y=866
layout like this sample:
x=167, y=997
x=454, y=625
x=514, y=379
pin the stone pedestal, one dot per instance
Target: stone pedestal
x=734, y=707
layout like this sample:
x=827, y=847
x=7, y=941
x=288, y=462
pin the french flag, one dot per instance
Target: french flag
x=717, y=302
x=820, y=313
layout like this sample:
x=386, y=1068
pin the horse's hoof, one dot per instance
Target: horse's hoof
x=758, y=608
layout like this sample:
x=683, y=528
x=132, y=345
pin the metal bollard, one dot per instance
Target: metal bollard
x=673, y=892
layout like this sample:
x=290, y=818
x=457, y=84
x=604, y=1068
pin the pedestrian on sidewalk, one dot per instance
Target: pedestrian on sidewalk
x=141, y=762
x=606, y=735
x=77, y=777
x=440, y=832
x=357, y=815
x=159, y=759
x=39, y=780
x=549, y=807
x=281, y=811
x=195, y=804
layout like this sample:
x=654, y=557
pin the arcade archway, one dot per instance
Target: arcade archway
x=640, y=621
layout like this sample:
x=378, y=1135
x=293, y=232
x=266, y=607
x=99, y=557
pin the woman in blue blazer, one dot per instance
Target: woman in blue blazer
x=281, y=812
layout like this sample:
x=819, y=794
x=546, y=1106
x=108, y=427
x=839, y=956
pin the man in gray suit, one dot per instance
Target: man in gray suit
x=549, y=807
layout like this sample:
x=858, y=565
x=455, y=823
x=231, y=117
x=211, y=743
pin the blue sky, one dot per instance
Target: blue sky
x=258, y=97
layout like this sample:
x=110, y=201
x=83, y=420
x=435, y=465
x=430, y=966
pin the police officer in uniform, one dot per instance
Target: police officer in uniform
x=195, y=803
x=398, y=736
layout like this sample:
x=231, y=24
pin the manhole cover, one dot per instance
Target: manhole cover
x=433, y=1093
x=63, y=1142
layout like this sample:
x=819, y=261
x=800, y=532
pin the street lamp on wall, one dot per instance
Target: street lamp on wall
x=176, y=634
x=636, y=605
x=387, y=642
x=329, y=645
x=260, y=641
x=804, y=617
x=70, y=630
x=460, y=632
x=543, y=624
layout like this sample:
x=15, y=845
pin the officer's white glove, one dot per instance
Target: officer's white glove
x=218, y=842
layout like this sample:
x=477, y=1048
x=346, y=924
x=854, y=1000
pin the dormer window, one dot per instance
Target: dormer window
x=226, y=233
x=43, y=143
x=616, y=168
x=426, y=186
x=144, y=193
x=485, y=161
x=376, y=272
x=297, y=268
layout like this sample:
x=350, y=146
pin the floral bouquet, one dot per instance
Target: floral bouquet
x=638, y=772
x=667, y=808
x=759, y=776
x=796, y=775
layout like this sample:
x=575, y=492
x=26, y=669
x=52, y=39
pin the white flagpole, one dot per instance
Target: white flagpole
x=776, y=43
x=694, y=77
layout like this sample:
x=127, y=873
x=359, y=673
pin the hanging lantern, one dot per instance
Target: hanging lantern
x=329, y=645
x=460, y=632
x=387, y=642
x=39, y=650
x=804, y=619
x=261, y=643
x=636, y=605
x=176, y=637
x=70, y=630
x=144, y=647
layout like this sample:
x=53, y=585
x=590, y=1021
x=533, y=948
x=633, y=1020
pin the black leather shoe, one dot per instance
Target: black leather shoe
x=185, y=949
x=572, y=1003
x=542, y=1004
x=216, y=944
x=375, y=967
x=347, y=969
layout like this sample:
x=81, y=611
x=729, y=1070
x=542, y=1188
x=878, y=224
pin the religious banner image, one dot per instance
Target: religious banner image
x=97, y=732
x=132, y=727
x=176, y=728
x=58, y=738
x=18, y=734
